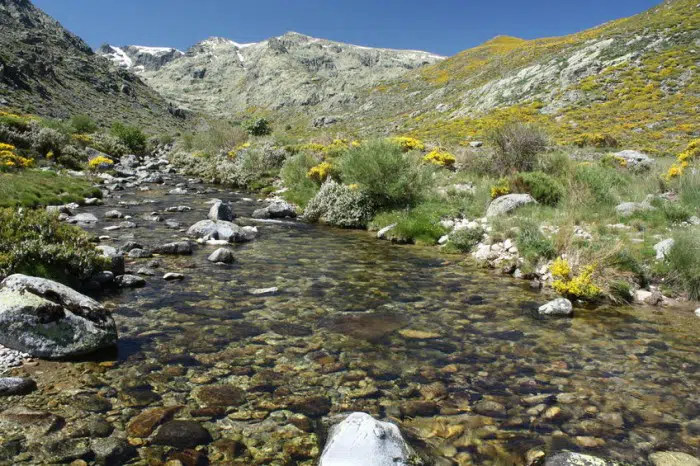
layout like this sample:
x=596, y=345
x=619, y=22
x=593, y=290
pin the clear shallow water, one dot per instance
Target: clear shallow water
x=451, y=352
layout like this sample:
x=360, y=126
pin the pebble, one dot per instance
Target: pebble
x=173, y=276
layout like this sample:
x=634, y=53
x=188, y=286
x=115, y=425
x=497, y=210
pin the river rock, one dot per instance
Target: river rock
x=278, y=209
x=114, y=214
x=673, y=458
x=178, y=248
x=10, y=386
x=171, y=276
x=218, y=230
x=116, y=259
x=224, y=255
x=177, y=191
x=558, y=307
x=138, y=253
x=182, y=434
x=663, y=248
x=508, y=203
x=361, y=440
x=381, y=234
x=568, y=458
x=147, y=421
x=179, y=208
x=112, y=451
x=130, y=281
x=49, y=320
x=82, y=219
x=221, y=211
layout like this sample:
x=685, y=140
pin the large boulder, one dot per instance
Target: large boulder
x=508, y=203
x=49, y=320
x=635, y=159
x=221, y=211
x=361, y=440
x=219, y=230
x=277, y=209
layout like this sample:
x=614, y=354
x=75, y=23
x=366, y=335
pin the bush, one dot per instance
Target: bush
x=83, y=124
x=35, y=242
x=109, y=145
x=15, y=122
x=684, y=262
x=321, y=172
x=599, y=140
x=100, y=163
x=10, y=160
x=339, y=205
x=544, y=188
x=465, y=240
x=49, y=140
x=516, y=147
x=579, y=286
x=301, y=188
x=419, y=225
x=408, y=144
x=215, y=137
x=440, y=158
x=258, y=127
x=603, y=183
x=533, y=245
x=387, y=175
x=72, y=157
x=131, y=136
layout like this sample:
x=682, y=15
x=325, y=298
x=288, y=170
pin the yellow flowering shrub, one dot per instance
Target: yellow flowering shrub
x=691, y=153
x=84, y=139
x=408, y=143
x=10, y=160
x=501, y=188
x=613, y=161
x=99, y=161
x=320, y=172
x=579, y=286
x=595, y=140
x=234, y=152
x=440, y=157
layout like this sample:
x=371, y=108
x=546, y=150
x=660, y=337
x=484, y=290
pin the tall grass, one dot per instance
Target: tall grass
x=301, y=188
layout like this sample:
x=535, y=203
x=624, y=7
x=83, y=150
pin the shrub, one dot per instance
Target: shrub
x=10, y=160
x=603, y=183
x=532, y=244
x=419, y=225
x=35, y=242
x=49, y=140
x=83, y=124
x=544, y=188
x=620, y=291
x=440, y=157
x=684, y=262
x=599, y=140
x=131, y=136
x=501, y=188
x=408, y=144
x=321, y=172
x=72, y=158
x=387, y=175
x=258, y=127
x=13, y=121
x=613, y=161
x=684, y=159
x=109, y=145
x=579, y=286
x=516, y=147
x=464, y=240
x=100, y=162
x=339, y=205
x=301, y=189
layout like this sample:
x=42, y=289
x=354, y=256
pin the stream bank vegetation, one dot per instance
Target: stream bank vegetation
x=427, y=192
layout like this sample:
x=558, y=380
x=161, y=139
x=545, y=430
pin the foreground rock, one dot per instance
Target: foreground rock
x=220, y=230
x=508, y=203
x=673, y=458
x=10, y=386
x=223, y=255
x=278, y=209
x=49, y=320
x=361, y=440
x=559, y=307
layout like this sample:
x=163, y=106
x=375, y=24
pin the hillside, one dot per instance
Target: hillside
x=635, y=79
x=289, y=72
x=48, y=71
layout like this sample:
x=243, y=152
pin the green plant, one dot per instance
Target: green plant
x=516, y=146
x=684, y=262
x=545, y=189
x=35, y=242
x=604, y=184
x=465, y=240
x=387, y=175
x=258, y=127
x=32, y=188
x=83, y=124
x=339, y=205
x=301, y=189
x=49, y=140
x=131, y=136
x=620, y=291
x=419, y=225
x=532, y=244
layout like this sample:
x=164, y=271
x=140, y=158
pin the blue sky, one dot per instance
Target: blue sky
x=440, y=26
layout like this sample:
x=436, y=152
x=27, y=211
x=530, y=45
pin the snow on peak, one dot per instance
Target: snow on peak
x=120, y=57
x=156, y=50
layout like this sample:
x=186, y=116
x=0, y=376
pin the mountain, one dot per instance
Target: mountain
x=634, y=79
x=48, y=71
x=288, y=72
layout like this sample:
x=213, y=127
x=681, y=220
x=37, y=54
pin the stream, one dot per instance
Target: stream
x=452, y=353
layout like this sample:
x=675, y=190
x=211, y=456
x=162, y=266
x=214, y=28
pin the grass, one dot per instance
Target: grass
x=33, y=188
x=684, y=262
x=420, y=225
